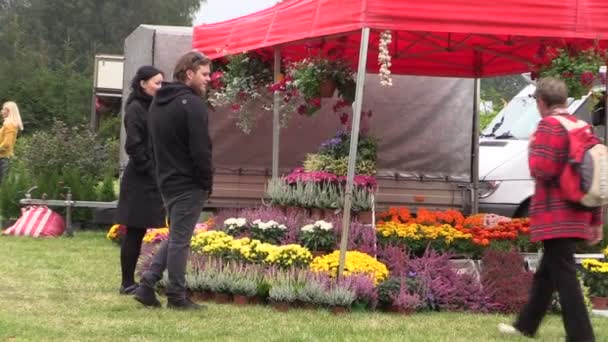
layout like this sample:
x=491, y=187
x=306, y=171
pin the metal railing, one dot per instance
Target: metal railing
x=68, y=203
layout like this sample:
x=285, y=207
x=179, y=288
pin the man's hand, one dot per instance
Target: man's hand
x=597, y=234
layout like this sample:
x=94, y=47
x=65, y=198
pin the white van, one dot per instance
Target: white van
x=504, y=177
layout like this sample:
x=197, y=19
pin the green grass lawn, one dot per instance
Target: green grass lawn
x=66, y=290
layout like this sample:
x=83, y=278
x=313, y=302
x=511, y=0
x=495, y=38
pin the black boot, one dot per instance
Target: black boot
x=128, y=290
x=184, y=304
x=146, y=296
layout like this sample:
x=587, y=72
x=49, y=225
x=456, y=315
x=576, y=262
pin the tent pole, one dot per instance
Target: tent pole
x=475, y=137
x=354, y=140
x=475, y=149
x=276, y=128
x=605, y=123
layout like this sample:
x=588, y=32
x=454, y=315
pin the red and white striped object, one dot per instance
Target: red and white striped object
x=37, y=221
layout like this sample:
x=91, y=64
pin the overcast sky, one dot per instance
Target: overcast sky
x=219, y=10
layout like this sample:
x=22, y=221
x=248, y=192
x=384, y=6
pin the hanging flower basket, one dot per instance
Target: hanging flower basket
x=311, y=79
x=327, y=88
x=241, y=85
x=578, y=68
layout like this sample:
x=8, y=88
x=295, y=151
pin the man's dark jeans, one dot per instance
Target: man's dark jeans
x=184, y=211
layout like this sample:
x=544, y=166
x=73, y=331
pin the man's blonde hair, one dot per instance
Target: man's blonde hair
x=13, y=118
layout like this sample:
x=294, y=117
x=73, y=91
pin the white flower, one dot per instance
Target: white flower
x=282, y=227
x=309, y=228
x=384, y=58
x=235, y=222
x=327, y=226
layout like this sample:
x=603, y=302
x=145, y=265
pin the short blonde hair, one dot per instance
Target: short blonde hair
x=13, y=118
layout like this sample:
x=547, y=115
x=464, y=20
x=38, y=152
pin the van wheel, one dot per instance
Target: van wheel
x=523, y=211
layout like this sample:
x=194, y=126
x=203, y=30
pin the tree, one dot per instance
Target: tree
x=94, y=26
x=47, y=49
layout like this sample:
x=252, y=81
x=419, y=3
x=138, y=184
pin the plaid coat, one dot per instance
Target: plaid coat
x=551, y=216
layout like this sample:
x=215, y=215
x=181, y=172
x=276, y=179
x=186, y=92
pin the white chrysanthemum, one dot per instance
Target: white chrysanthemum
x=309, y=228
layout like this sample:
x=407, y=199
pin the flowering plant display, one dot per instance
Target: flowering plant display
x=116, y=233
x=235, y=226
x=220, y=244
x=156, y=235
x=318, y=236
x=288, y=256
x=450, y=230
x=578, y=68
x=308, y=77
x=356, y=263
x=595, y=275
x=333, y=156
x=270, y=231
x=241, y=86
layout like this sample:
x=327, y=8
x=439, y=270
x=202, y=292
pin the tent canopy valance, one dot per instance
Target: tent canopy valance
x=434, y=38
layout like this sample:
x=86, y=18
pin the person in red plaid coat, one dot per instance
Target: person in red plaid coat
x=559, y=224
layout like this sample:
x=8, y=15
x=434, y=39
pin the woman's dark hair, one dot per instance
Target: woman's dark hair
x=144, y=73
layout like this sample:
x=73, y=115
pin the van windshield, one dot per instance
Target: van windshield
x=517, y=120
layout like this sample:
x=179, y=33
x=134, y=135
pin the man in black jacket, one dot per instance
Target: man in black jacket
x=179, y=135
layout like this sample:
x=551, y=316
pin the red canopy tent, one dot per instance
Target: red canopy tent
x=456, y=38
x=432, y=37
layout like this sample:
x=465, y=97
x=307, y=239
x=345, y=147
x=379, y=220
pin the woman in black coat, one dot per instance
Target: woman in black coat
x=140, y=205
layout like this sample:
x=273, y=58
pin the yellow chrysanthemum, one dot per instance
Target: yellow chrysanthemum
x=356, y=263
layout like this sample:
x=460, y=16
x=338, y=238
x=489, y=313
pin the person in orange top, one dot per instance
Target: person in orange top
x=8, y=135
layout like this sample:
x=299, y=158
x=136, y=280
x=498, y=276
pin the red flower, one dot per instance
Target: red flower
x=587, y=78
x=567, y=74
x=216, y=80
x=315, y=102
x=340, y=104
x=344, y=118
x=302, y=109
x=534, y=75
x=236, y=107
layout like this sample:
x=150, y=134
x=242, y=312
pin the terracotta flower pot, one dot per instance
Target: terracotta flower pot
x=241, y=300
x=205, y=295
x=365, y=217
x=600, y=303
x=316, y=214
x=256, y=300
x=399, y=310
x=280, y=306
x=329, y=213
x=282, y=209
x=292, y=211
x=308, y=306
x=194, y=295
x=318, y=253
x=338, y=310
x=327, y=88
x=222, y=298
